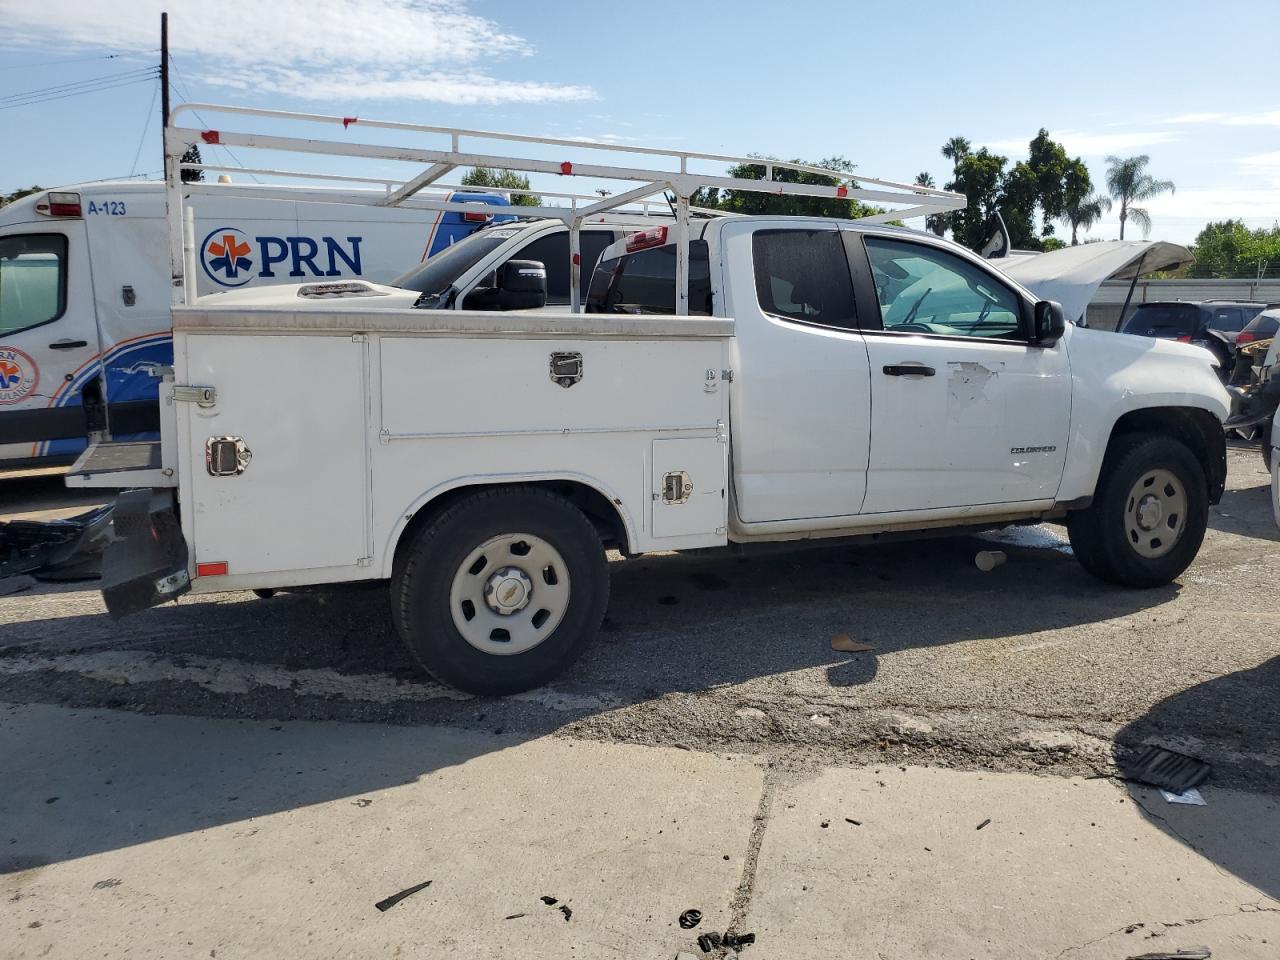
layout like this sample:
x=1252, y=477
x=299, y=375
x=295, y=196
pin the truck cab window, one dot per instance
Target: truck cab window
x=923, y=289
x=803, y=275
x=33, y=280
x=553, y=251
x=645, y=282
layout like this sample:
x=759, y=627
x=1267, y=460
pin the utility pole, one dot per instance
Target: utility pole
x=164, y=72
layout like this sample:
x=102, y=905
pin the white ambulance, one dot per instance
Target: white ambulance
x=85, y=277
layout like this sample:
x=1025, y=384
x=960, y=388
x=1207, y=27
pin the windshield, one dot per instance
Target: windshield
x=1163, y=320
x=439, y=272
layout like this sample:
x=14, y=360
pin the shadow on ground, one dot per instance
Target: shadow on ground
x=1236, y=719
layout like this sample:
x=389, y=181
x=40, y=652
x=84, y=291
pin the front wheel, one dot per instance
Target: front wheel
x=1148, y=515
x=502, y=591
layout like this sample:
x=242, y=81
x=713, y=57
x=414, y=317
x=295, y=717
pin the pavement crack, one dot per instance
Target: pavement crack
x=741, y=901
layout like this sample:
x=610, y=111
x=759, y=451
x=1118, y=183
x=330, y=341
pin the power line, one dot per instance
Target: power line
x=77, y=93
x=186, y=95
x=60, y=87
x=146, y=125
x=54, y=63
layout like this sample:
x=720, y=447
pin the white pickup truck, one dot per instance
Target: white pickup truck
x=832, y=379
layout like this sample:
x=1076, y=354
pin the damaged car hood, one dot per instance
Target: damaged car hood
x=1072, y=275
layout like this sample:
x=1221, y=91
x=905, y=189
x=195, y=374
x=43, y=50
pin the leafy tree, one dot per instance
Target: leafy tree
x=1227, y=249
x=1129, y=183
x=504, y=180
x=934, y=222
x=744, y=201
x=980, y=177
x=1081, y=207
x=1017, y=205
x=1047, y=163
x=192, y=155
x=18, y=195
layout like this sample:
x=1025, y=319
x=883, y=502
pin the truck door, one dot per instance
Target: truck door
x=48, y=339
x=801, y=398
x=965, y=411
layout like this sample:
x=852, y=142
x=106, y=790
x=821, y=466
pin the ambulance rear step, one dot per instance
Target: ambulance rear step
x=121, y=464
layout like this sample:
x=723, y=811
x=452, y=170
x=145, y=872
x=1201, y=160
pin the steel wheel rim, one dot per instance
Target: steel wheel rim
x=509, y=594
x=1155, y=513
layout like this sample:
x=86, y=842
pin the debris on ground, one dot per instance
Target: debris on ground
x=514, y=916
x=1166, y=769
x=988, y=560
x=735, y=940
x=56, y=550
x=564, y=908
x=856, y=823
x=16, y=584
x=1192, y=797
x=983, y=824
x=825, y=824
x=549, y=901
x=1193, y=953
x=846, y=644
x=690, y=919
x=709, y=941
x=391, y=901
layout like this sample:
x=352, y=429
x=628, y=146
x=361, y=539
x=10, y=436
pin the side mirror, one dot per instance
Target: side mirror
x=1048, y=323
x=522, y=285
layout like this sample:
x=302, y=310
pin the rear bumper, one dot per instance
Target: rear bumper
x=146, y=563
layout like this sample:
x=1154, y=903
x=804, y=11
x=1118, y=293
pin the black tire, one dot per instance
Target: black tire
x=1098, y=534
x=424, y=576
x=1265, y=434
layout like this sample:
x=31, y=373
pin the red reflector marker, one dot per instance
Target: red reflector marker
x=218, y=569
x=1184, y=339
x=61, y=205
x=477, y=217
x=645, y=239
x=210, y=136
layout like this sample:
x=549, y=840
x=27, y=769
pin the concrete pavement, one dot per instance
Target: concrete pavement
x=162, y=836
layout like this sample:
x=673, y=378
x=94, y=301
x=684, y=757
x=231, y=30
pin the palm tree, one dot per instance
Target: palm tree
x=1129, y=182
x=956, y=149
x=934, y=222
x=1083, y=212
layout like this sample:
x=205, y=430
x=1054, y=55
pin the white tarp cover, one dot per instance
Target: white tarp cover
x=1072, y=275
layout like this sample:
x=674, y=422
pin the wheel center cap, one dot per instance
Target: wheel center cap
x=507, y=591
x=1150, y=512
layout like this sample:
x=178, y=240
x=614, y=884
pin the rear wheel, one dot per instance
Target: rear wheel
x=1265, y=434
x=502, y=591
x=1148, y=516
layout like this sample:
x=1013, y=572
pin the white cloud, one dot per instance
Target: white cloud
x=1264, y=118
x=1085, y=144
x=332, y=50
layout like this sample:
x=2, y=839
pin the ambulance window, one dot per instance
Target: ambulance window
x=33, y=280
x=553, y=251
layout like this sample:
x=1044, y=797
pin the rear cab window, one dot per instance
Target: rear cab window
x=644, y=282
x=803, y=275
x=1163, y=320
x=552, y=250
x=33, y=280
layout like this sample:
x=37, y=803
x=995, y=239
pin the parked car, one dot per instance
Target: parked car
x=1260, y=328
x=1212, y=324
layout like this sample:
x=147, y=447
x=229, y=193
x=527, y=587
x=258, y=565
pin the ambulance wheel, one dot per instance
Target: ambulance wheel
x=502, y=591
x=266, y=593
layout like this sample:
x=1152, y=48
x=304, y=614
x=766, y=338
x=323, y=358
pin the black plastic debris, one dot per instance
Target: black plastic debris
x=391, y=901
x=549, y=901
x=856, y=823
x=736, y=940
x=564, y=908
x=514, y=916
x=1192, y=953
x=709, y=941
x=68, y=549
x=1175, y=772
x=983, y=824
x=690, y=919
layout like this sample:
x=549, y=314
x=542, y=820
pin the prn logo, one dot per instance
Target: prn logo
x=225, y=255
x=18, y=375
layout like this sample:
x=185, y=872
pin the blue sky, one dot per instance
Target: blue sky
x=882, y=84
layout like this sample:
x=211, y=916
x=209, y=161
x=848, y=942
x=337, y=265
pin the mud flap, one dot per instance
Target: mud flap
x=146, y=563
